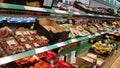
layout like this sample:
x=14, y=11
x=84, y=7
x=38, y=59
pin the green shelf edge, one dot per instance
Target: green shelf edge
x=11, y=6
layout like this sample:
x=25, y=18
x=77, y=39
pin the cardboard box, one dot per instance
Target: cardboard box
x=47, y=22
x=44, y=27
x=100, y=60
x=80, y=60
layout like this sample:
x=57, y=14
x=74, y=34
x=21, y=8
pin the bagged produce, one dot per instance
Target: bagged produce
x=11, y=46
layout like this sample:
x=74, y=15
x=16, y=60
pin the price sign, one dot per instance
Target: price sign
x=59, y=11
x=102, y=32
x=35, y=9
x=60, y=44
x=73, y=40
x=97, y=34
x=89, y=36
x=40, y=50
x=76, y=13
x=62, y=57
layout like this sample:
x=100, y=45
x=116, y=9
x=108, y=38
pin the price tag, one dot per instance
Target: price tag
x=5, y=60
x=59, y=11
x=73, y=40
x=102, y=32
x=100, y=15
x=60, y=44
x=62, y=57
x=11, y=42
x=40, y=50
x=52, y=63
x=34, y=8
x=73, y=58
x=89, y=36
x=97, y=34
x=76, y=13
x=90, y=14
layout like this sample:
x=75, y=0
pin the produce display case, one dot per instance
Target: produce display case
x=57, y=37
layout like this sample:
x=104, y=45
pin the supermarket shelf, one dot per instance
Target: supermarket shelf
x=108, y=3
x=21, y=7
x=11, y=58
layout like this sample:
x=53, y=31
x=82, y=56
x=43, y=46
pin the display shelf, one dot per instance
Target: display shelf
x=109, y=3
x=21, y=7
x=11, y=58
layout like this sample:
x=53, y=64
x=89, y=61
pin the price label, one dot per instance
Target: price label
x=73, y=40
x=60, y=44
x=76, y=13
x=102, y=32
x=73, y=60
x=97, y=34
x=90, y=14
x=40, y=50
x=5, y=60
x=34, y=8
x=100, y=15
x=89, y=36
x=59, y=11
x=62, y=57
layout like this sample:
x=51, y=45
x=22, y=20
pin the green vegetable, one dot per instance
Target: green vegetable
x=81, y=65
x=71, y=35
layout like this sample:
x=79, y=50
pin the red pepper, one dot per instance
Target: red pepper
x=62, y=64
x=49, y=55
x=42, y=64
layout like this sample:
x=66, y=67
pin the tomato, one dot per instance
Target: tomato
x=32, y=60
x=26, y=59
x=18, y=62
x=42, y=64
x=31, y=67
x=62, y=64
